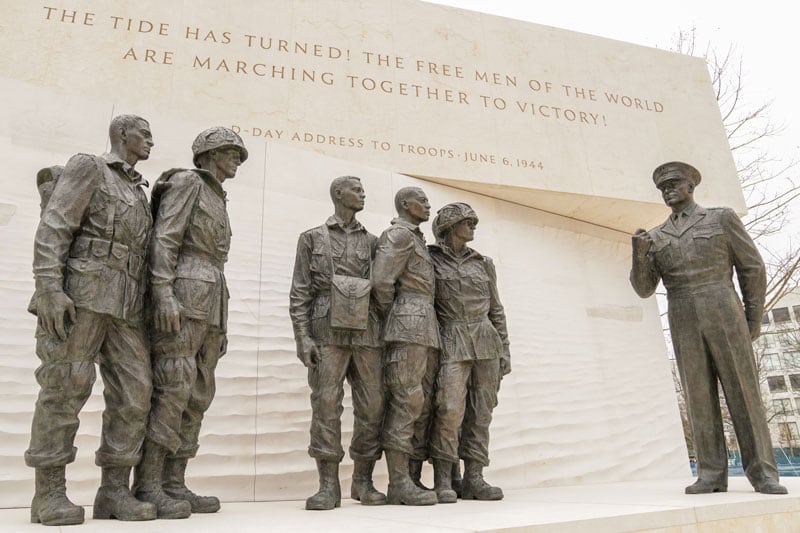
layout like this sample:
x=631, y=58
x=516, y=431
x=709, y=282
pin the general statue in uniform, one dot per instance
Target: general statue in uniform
x=695, y=253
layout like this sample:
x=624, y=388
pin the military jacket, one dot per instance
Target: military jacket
x=472, y=321
x=191, y=241
x=403, y=286
x=92, y=237
x=699, y=256
x=352, y=248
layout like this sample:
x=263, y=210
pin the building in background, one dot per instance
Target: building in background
x=778, y=358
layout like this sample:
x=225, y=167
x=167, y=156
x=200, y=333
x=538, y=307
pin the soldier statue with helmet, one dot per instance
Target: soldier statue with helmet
x=473, y=359
x=189, y=248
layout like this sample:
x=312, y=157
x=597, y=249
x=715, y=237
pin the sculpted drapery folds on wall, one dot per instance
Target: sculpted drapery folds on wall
x=695, y=253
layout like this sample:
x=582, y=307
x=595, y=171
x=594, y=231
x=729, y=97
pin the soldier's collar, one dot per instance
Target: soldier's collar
x=689, y=211
x=336, y=220
x=414, y=228
x=114, y=161
x=466, y=253
x=212, y=182
x=406, y=224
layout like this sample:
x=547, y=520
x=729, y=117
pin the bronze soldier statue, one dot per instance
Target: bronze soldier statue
x=694, y=252
x=329, y=257
x=403, y=290
x=89, y=256
x=474, y=356
x=191, y=240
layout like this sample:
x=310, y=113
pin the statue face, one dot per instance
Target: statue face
x=227, y=160
x=351, y=195
x=465, y=230
x=139, y=140
x=418, y=206
x=676, y=191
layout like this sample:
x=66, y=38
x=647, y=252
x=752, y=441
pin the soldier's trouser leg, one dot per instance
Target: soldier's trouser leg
x=419, y=441
x=127, y=387
x=450, y=403
x=65, y=377
x=175, y=373
x=326, y=380
x=404, y=372
x=735, y=364
x=482, y=387
x=699, y=379
x=202, y=392
x=365, y=375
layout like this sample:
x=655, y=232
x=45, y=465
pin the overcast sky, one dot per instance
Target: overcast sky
x=763, y=32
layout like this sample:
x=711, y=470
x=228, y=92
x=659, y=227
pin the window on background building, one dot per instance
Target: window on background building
x=785, y=341
x=768, y=340
x=797, y=403
x=791, y=360
x=796, y=310
x=765, y=320
x=781, y=314
x=794, y=379
x=776, y=383
x=782, y=407
x=789, y=434
x=771, y=361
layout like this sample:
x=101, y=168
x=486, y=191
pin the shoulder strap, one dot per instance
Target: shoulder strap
x=111, y=209
x=488, y=268
x=326, y=241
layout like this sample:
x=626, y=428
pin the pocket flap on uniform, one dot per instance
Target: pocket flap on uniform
x=707, y=231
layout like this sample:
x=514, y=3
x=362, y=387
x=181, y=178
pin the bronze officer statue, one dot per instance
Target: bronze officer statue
x=695, y=252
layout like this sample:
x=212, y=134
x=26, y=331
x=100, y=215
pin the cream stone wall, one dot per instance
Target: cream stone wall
x=506, y=108
x=590, y=398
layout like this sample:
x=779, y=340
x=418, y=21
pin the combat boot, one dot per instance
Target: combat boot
x=175, y=487
x=415, y=472
x=361, y=488
x=148, y=480
x=403, y=491
x=50, y=504
x=475, y=488
x=114, y=498
x=455, y=480
x=442, y=472
x=329, y=494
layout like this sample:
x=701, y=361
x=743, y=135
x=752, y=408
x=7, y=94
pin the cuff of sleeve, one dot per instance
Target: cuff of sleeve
x=44, y=284
x=162, y=292
x=301, y=331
